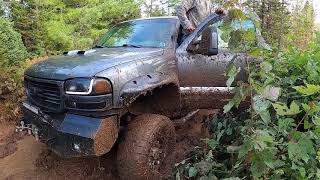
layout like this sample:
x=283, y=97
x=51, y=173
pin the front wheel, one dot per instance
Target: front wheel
x=147, y=151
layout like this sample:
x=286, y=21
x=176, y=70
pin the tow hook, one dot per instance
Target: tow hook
x=30, y=128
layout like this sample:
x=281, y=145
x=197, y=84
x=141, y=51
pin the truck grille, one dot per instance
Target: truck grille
x=44, y=94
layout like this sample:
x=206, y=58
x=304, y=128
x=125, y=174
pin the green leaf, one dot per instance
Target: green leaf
x=285, y=125
x=257, y=52
x=178, y=175
x=261, y=162
x=227, y=108
x=306, y=107
x=308, y=90
x=300, y=147
x=193, y=172
x=261, y=105
x=302, y=172
x=265, y=116
x=212, y=143
x=262, y=140
x=271, y=93
x=283, y=110
x=245, y=148
x=232, y=71
x=294, y=109
x=241, y=94
x=307, y=125
x=317, y=121
x=318, y=174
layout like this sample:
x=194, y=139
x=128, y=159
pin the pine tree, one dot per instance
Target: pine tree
x=303, y=26
x=27, y=21
x=273, y=16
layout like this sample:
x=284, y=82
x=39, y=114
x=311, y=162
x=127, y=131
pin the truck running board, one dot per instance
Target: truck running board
x=193, y=98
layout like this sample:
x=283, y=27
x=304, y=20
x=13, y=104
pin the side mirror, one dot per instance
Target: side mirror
x=209, y=41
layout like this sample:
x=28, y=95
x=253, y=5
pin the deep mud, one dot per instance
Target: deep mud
x=21, y=157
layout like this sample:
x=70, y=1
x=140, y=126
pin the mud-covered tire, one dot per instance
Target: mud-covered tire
x=147, y=150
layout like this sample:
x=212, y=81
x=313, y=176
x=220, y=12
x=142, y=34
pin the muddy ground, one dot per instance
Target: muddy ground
x=21, y=157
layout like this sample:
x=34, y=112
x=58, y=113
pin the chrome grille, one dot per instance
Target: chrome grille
x=44, y=94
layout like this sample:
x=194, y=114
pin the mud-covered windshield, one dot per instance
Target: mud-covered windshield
x=141, y=33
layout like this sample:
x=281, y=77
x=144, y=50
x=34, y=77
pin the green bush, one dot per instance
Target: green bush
x=11, y=93
x=12, y=57
x=12, y=50
x=278, y=135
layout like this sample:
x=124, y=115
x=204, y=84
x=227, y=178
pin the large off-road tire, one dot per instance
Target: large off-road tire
x=147, y=151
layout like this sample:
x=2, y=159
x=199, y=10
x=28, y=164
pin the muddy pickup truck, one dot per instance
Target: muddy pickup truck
x=125, y=92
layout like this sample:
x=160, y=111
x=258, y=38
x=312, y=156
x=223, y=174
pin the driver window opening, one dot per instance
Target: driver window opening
x=235, y=36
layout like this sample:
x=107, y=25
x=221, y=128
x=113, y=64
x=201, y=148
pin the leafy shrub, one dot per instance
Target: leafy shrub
x=12, y=57
x=12, y=50
x=279, y=138
x=11, y=93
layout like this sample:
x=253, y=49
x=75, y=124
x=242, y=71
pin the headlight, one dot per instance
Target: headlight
x=85, y=86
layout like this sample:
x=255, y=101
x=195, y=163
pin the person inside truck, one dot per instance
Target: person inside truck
x=192, y=12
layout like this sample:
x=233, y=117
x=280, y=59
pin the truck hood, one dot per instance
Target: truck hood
x=88, y=63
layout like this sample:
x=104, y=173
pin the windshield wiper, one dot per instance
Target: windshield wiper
x=131, y=45
x=99, y=46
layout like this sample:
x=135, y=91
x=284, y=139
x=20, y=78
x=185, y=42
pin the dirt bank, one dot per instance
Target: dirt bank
x=21, y=157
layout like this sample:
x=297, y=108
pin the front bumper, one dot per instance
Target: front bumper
x=71, y=135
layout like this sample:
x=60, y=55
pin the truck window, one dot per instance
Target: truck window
x=235, y=36
x=155, y=33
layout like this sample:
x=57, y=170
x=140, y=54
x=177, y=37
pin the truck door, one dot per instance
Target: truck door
x=199, y=70
x=202, y=77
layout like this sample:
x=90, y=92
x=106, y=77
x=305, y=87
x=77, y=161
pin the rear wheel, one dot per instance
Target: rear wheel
x=147, y=151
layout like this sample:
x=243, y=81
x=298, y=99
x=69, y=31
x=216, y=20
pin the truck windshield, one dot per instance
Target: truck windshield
x=154, y=33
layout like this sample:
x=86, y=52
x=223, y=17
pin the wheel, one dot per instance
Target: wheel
x=147, y=151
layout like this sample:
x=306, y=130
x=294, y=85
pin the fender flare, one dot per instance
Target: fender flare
x=144, y=84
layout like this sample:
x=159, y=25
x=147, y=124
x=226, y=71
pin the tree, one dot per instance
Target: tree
x=303, y=26
x=27, y=21
x=273, y=16
x=159, y=7
x=53, y=26
x=12, y=50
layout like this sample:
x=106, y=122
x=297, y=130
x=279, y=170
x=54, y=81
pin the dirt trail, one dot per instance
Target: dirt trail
x=21, y=157
x=21, y=163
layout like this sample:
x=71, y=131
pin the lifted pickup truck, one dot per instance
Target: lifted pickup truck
x=140, y=75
